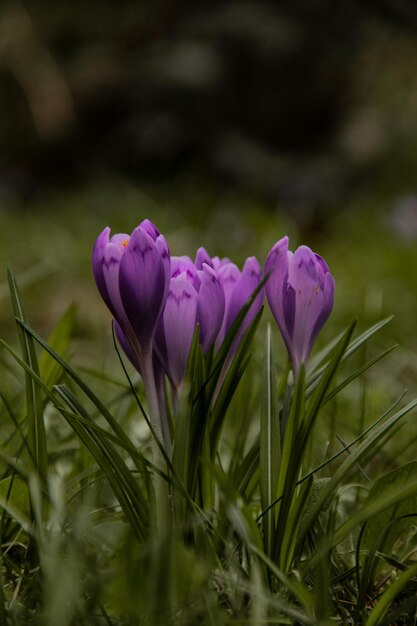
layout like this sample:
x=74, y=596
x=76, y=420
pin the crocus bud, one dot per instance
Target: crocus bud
x=300, y=292
x=132, y=275
x=176, y=328
x=194, y=296
x=211, y=306
x=238, y=287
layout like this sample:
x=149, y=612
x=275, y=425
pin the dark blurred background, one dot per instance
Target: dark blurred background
x=296, y=100
x=227, y=123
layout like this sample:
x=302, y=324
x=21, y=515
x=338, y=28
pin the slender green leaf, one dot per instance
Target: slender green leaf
x=397, y=478
x=80, y=383
x=270, y=445
x=388, y=597
x=357, y=373
x=49, y=369
x=343, y=470
x=36, y=437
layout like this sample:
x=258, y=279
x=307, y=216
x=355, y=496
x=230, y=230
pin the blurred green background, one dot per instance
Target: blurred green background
x=229, y=124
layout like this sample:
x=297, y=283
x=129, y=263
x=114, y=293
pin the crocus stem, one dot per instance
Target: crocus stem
x=160, y=484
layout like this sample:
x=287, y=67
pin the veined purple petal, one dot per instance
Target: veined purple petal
x=228, y=275
x=218, y=263
x=97, y=262
x=150, y=228
x=327, y=301
x=143, y=285
x=161, y=245
x=243, y=289
x=202, y=256
x=111, y=267
x=179, y=320
x=322, y=263
x=288, y=307
x=181, y=264
x=211, y=306
x=304, y=277
x=106, y=260
x=276, y=270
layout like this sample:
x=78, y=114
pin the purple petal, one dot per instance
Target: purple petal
x=111, y=268
x=304, y=277
x=276, y=268
x=218, y=263
x=150, y=228
x=202, y=256
x=288, y=307
x=143, y=285
x=106, y=261
x=181, y=264
x=322, y=263
x=161, y=245
x=179, y=320
x=228, y=275
x=211, y=306
x=326, y=308
x=97, y=262
x=244, y=288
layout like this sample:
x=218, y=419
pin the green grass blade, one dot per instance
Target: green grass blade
x=374, y=508
x=49, y=368
x=36, y=435
x=324, y=382
x=231, y=382
x=343, y=470
x=79, y=382
x=357, y=373
x=314, y=372
x=120, y=477
x=289, y=469
x=125, y=487
x=388, y=597
x=297, y=589
x=270, y=445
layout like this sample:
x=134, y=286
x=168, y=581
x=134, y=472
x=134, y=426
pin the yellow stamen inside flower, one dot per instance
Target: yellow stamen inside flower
x=125, y=242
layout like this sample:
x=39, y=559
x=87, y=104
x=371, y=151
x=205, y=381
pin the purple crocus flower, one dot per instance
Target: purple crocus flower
x=194, y=296
x=132, y=274
x=300, y=292
x=238, y=287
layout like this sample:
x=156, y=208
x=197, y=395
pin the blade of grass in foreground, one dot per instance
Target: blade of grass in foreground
x=125, y=487
x=314, y=371
x=118, y=430
x=36, y=437
x=270, y=446
x=388, y=597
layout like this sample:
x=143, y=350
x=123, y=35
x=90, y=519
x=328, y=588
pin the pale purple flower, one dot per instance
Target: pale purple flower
x=132, y=274
x=238, y=287
x=300, y=292
x=194, y=296
x=243, y=289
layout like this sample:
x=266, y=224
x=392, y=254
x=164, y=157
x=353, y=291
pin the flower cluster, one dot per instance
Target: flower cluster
x=157, y=300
